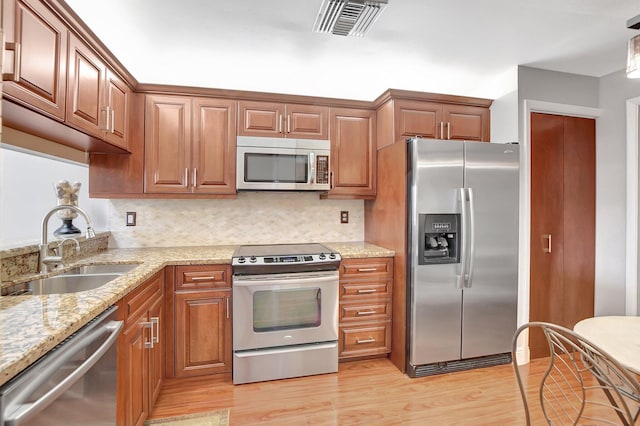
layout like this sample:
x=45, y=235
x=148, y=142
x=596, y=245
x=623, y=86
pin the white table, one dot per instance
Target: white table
x=617, y=335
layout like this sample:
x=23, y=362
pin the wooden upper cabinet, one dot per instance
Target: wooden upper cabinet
x=260, y=119
x=422, y=119
x=441, y=121
x=97, y=99
x=353, y=153
x=87, y=76
x=118, y=96
x=465, y=122
x=189, y=145
x=214, y=146
x=167, y=144
x=307, y=122
x=283, y=120
x=35, y=54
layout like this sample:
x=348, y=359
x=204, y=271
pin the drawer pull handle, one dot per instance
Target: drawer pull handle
x=367, y=269
x=369, y=340
x=203, y=278
x=156, y=336
x=367, y=290
x=366, y=312
x=149, y=325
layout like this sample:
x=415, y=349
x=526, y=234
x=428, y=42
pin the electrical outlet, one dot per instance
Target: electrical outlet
x=130, y=219
x=344, y=217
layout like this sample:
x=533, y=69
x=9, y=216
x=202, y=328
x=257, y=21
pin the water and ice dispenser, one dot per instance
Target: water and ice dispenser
x=439, y=238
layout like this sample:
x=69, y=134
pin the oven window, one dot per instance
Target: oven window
x=286, y=309
x=275, y=168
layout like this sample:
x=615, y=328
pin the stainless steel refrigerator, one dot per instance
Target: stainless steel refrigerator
x=462, y=254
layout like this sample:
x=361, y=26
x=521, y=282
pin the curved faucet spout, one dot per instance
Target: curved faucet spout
x=45, y=259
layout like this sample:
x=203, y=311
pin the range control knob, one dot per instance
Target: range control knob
x=252, y=259
x=332, y=256
x=322, y=256
x=241, y=259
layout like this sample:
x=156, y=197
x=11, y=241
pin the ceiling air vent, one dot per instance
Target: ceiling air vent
x=348, y=17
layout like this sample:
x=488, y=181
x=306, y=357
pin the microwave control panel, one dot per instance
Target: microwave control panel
x=322, y=169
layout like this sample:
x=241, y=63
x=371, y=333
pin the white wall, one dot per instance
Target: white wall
x=504, y=109
x=27, y=192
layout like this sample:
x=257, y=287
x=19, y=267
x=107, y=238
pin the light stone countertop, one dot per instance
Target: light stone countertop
x=30, y=326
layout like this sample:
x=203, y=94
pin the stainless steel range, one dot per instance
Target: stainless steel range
x=285, y=304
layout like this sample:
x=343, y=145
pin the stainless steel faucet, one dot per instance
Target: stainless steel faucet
x=45, y=258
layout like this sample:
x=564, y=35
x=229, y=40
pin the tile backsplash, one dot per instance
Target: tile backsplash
x=252, y=218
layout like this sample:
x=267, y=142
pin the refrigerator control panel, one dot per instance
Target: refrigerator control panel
x=439, y=238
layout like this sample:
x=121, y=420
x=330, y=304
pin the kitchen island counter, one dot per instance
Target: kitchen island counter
x=30, y=326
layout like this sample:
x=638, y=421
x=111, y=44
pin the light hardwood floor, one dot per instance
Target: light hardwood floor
x=369, y=392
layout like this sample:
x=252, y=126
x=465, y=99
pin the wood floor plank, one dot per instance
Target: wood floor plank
x=371, y=392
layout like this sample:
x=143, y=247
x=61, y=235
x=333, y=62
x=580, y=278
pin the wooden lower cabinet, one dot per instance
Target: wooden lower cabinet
x=202, y=320
x=140, y=351
x=365, y=307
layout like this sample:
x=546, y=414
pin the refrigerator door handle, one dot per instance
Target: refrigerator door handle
x=472, y=243
x=461, y=278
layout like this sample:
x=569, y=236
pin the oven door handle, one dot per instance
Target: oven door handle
x=247, y=280
x=282, y=350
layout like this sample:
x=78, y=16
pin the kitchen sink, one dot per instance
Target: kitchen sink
x=66, y=283
x=101, y=269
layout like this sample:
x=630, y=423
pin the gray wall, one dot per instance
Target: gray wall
x=611, y=129
x=558, y=87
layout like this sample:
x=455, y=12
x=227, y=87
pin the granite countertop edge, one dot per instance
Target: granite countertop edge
x=30, y=326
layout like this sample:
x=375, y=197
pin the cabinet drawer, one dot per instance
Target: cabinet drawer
x=203, y=277
x=137, y=302
x=366, y=340
x=358, y=290
x=361, y=268
x=365, y=312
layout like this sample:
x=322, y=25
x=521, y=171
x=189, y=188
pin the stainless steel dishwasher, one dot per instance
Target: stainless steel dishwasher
x=73, y=384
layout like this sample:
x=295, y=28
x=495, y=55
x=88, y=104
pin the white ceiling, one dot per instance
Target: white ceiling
x=463, y=47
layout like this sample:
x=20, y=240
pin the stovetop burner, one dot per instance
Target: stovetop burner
x=280, y=258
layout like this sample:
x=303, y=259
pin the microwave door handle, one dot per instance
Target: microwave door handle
x=312, y=167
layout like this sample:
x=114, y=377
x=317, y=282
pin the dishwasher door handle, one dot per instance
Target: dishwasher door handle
x=23, y=412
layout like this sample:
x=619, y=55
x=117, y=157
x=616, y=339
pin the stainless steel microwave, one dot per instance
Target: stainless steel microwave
x=280, y=164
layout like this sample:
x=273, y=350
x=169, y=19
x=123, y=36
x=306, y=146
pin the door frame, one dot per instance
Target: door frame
x=632, y=296
x=530, y=105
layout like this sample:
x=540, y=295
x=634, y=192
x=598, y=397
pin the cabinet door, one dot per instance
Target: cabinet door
x=156, y=364
x=135, y=373
x=306, y=122
x=35, y=67
x=203, y=333
x=214, y=146
x=87, y=76
x=353, y=152
x=415, y=118
x=167, y=144
x=260, y=119
x=117, y=110
x=465, y=122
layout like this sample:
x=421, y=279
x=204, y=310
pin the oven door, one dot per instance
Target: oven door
x=284, y=309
